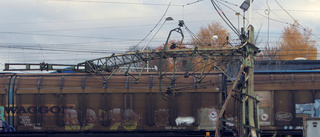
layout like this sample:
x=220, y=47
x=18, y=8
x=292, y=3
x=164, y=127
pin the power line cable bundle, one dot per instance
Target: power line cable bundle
x=225, y=18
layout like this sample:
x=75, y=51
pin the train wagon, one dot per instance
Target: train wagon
x=82, y=103
x=76, y=103
x=286, y=97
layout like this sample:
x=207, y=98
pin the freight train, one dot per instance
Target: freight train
x=76, y=104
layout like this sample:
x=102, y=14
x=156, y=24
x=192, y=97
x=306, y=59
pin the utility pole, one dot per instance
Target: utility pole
x=249, y=102
x=249, y=113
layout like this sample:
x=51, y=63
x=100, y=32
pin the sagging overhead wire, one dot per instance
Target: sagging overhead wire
x=164, y=14
x=274, y=19
x=226, y=6
x=152, y=37
x=231, y=8
x=193, y=2
x=60, y=50
x=220, y=1
x=60, y=35
x=225, y=18
x=194, y=36
x=109, y=2
x=305, y=29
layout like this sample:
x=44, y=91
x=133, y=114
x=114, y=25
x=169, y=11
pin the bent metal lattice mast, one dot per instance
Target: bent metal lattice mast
x=196, y=60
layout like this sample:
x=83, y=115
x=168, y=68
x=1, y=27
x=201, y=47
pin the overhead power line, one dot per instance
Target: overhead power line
x=296, y=20
x=94, y=28
x=64, y=50
x=106, y=2
x=59, y=35
x=273, y=19
x=224, y=17
x=290, y=10
x=228, y=3
x=192, y=2
x=164, y=14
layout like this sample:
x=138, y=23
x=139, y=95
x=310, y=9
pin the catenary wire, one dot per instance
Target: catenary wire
x=165, y=12
x=224, y=18
x=296, y=20
x=105, y=2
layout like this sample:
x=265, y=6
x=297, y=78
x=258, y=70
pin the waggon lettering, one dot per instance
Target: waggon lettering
x=35, y=109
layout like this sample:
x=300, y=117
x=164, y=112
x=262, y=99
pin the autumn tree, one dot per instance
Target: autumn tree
x=270, y=53
x=179, y=62
x=204, y=37
x=296, y=44
x=206, y=33
x=204, y=40
x=167, y=63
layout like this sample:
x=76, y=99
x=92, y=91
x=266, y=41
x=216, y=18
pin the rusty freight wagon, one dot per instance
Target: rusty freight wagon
x=81, y=103
x=286, y=97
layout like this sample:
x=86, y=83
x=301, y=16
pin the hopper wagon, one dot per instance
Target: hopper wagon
x=81, y=104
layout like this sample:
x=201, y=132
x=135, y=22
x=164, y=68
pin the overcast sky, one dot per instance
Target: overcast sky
x=72, y=31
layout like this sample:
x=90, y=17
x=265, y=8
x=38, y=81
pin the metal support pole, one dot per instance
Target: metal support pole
x=249, y=117
x=248, y=102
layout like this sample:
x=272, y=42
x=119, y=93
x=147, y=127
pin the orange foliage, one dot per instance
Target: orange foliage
x=268, y=53
x=167, y=63
x=178, y=61
x=205, y=37
x=295, y=44
x=206, y=33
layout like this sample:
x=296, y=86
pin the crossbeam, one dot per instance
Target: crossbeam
x=41, y=66
x=107, y=64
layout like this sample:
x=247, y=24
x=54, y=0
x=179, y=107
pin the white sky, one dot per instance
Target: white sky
x=72, y=31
